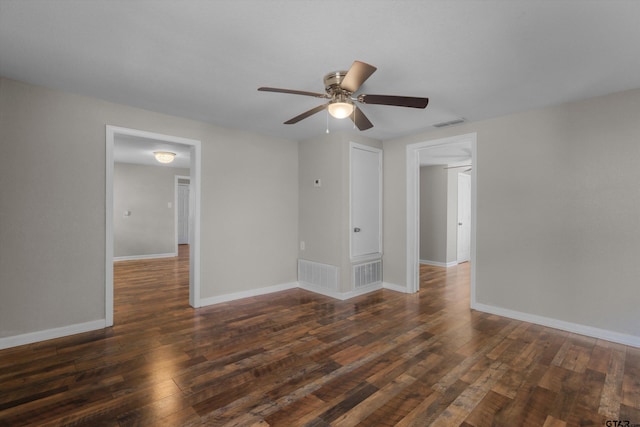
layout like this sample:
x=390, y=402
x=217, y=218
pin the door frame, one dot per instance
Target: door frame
x=464, y=176
x=177, y=179
x=194, y=233
x=413, y=207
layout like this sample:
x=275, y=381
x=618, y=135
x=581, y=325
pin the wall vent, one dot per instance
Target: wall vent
x=367, y=274
x=319, y=275
x=449, y=123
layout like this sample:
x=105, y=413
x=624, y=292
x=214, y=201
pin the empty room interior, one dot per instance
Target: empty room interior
x=319, y=213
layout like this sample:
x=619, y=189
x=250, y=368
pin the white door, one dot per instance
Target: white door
x=183, y=214
x=464, y=217
x=366, y=200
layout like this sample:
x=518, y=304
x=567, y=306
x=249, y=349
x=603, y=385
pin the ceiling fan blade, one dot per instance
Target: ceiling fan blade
x=360, y=120
x=357, y=74
x=306, y=114
x=294, y=92
x=399, y=101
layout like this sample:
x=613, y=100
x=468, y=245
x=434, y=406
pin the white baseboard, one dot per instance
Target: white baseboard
x=394, y=287
x=246, y=294
x=49, y=334
x=150, y=256
x=319, y=290
x=361, y=291
x=339, y=295
x=438, y=263
x=576, y=328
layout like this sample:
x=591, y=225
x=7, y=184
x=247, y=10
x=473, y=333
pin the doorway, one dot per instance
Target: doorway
x=194, y=232
x=414, y=152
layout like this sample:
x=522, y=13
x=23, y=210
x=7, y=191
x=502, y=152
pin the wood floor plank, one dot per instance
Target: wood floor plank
x=295, y=358
x=484, y=414
x=420, y=415
x=466, y=402
x=399, y=406
x=370, y=404
x=610, y=400
x=631, y=379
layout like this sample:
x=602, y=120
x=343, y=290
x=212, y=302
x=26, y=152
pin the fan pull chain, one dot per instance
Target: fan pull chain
x=327, y=110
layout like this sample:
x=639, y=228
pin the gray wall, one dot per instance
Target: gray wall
x=438, y=214
x=558, y=208
x=52, y=221
x=144, y=191
x=433, y=214
x=324, y=212
x=321, y=224
x=558, y=213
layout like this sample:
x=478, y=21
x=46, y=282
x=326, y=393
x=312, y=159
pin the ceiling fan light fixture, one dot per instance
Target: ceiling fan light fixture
x=340, y=109
x=164, y=156
x=340, y=87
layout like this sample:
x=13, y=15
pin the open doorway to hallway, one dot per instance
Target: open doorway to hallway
x=444, y=211
x=142, y=212
x=438, y=172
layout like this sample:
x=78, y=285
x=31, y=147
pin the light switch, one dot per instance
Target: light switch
x=169, y=205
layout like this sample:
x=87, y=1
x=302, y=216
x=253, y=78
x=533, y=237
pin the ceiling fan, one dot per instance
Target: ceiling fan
x=340, y=87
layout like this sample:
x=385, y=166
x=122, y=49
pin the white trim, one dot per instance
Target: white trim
x=177, y=179
x=465, y=176
x=194, y=224
x=195, y=172
x=575, y=328
x=175, y=212
x=49, y=334
x=366, y=258
x=380, y=154
x=438, y=263
x=247, y=294
x=361, y=291
x=340, y=295
x=108, y=271
x=318, y=290
x=150, y=256
x=394, y=287
x=413, y=208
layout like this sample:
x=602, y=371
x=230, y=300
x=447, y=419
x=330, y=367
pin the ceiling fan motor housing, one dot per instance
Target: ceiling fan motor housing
x=332, y=82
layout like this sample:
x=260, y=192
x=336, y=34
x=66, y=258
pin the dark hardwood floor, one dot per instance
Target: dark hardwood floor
x=296, y=358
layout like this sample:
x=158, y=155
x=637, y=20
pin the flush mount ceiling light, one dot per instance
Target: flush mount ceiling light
x=341, y=107
x=164, y=156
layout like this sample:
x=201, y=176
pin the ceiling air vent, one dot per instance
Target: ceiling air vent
x=449, y=123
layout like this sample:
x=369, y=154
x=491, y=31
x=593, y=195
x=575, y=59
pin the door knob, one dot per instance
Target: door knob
x=356, y=230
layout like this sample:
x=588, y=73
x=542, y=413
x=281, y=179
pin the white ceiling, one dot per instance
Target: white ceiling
x=137, y=150
x=205, y=59
x=450, y=154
